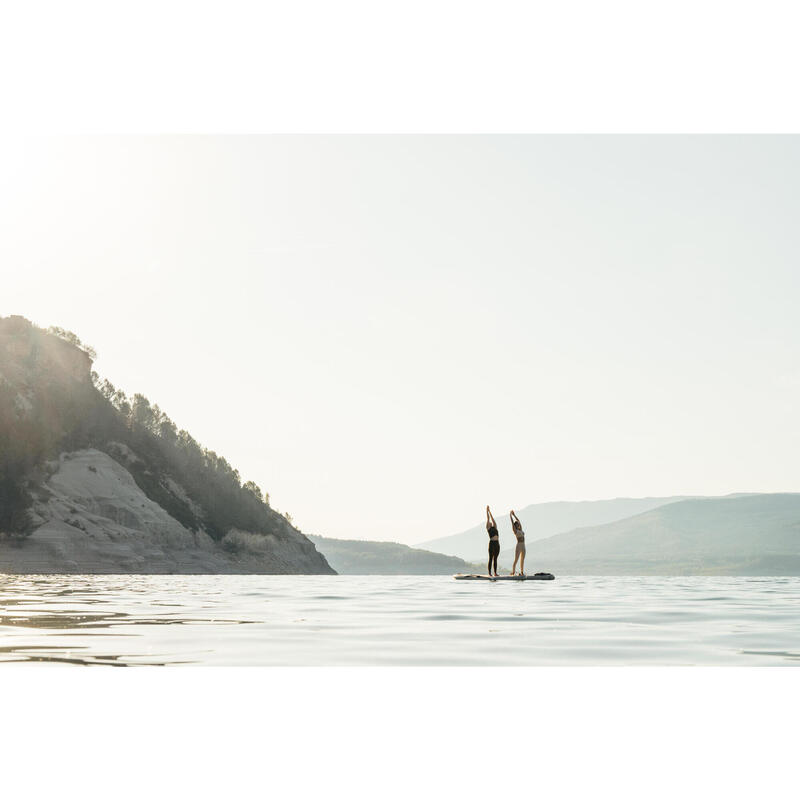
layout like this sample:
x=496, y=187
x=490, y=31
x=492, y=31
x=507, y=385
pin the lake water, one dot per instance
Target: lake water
x=349, y=620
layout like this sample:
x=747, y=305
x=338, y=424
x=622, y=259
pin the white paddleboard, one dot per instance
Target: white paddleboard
x=539, y=576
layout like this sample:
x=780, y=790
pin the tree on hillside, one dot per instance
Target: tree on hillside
x=69, y=336
x=253, y=488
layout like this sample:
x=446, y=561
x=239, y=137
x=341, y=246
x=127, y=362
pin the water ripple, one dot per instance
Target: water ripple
x=116, y=620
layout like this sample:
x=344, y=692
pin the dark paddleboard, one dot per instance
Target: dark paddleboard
x=539, y=576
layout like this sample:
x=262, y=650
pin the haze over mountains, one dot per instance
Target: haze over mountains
x=739, y=534
x=541, y=520
x=92, y=480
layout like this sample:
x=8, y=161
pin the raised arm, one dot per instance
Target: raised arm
x=489, y=517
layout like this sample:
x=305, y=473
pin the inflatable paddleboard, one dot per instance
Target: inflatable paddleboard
x=539, y=576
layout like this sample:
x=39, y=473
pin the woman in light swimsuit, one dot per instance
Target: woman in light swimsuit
x=519, y=555
x=494, y=541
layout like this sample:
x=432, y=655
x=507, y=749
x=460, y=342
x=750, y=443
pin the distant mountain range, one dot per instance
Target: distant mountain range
x=738, y=535
x=744, y=534
x=355, y=557
x=542, y=520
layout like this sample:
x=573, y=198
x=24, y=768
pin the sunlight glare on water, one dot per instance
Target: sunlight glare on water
x=372, y=620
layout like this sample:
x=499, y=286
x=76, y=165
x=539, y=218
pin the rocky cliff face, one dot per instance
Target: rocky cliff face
x=85, y=489
x=91, y=517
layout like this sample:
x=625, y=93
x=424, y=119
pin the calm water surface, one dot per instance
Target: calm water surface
x=348, y=620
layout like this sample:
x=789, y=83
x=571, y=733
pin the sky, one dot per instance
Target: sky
x=388, y=333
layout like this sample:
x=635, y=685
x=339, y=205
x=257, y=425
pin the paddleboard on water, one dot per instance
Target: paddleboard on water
x=539, y=576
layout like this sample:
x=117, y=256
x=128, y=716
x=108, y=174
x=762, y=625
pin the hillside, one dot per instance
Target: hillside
x=354, y=557
x=738, y=535
x=94, y=481
x=541, y=520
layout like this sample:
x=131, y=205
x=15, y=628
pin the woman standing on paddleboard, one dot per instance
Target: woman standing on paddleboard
x=494, y=541
x=519, y=554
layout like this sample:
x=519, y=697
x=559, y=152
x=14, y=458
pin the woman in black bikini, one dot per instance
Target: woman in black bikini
x=494, y=541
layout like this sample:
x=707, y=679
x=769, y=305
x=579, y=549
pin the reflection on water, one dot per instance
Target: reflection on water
x=123, y=620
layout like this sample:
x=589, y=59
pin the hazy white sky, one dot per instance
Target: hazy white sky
x=387, y=333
